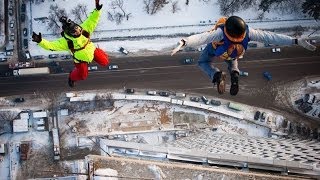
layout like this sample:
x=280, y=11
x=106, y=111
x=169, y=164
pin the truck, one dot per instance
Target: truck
x=235, y=106
x=31, y=71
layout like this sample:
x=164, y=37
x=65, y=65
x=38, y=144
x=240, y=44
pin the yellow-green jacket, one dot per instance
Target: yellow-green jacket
x=61, y=44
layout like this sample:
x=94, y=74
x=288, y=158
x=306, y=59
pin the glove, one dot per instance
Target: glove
x=181, y=43
x=98, y=5
x=305, y=44
x=36, y=38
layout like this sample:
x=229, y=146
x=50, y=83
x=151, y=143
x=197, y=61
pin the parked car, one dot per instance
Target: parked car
x=263, y=117
x=23, y=8
x=188, y=61
x=129, y=91
x=25, y=43
x=257, y=115
x=19, y=100
x=68, y=56
x=315, y=112
x=113, y=67
x=11, y=37
x=10, y=11
x=28, y=55
x=309, y=98
x=276, y=50
x=298, y=102
x=180, y=95
x=124, y=51
x=194, y=99
x=152, y=93
x=215, y=102
x=38, y=57
x=12, y=24
x=243, y=73
x=53, y=56
x=205, y=100
x=267, y=75
x=92, y=68
x=305, y=107
x=3, y=59
x=22, y=17
x=25, y=31
x=164, y=93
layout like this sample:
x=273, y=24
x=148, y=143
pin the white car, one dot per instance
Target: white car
x=92, y=68
x=153, y=93
x=113, y=67
x=275, y=50
x=124, y=51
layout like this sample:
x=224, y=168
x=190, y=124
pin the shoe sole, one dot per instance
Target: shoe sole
x=221, y=87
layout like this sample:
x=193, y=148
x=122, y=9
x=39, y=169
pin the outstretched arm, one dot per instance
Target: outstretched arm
x=277, y=39
x=57, y=45
x=199, y=39
x=92, y=21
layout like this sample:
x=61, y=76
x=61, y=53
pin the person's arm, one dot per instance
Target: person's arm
x=199, y=39
x=92, y=21
x=278, y=39
x=57, y=45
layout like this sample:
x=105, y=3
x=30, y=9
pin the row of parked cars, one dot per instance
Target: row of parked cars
x=306, y=103
x=260, y=115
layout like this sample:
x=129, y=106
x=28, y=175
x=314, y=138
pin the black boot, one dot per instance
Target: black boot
x=71, y=83
x=219, y=78
x=234, y=89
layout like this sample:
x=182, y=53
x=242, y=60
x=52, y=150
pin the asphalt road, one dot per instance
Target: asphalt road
x=168, y=73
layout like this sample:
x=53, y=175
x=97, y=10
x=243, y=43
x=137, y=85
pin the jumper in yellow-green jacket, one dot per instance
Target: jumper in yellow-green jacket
x=85, y=54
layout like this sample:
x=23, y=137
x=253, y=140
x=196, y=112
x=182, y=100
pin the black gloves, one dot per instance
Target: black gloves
x=36, y=38
x=98, y=6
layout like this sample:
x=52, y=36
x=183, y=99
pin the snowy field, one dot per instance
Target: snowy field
x=145, y=34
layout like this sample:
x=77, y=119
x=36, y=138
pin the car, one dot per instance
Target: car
x=314, y=113
x=22, y=17
x=19, y=100
x=3, y=59
x=11, y=37
x=194, y=99
x=28, y=55
x=315, y=82
x=205, y=100
x=257, y=115
x=152, y=93
x=267, y=75
x=68, y=56
x=113, y=67
x=25, y=43
x=12, y=24
x=309, y=98
x=188, y=61
x=23, y=8
x=25, y=31
x=9, y=53
x=10, y=11
x=129, y=91
x=124, y=51
x=180, y=95
x=92, y=68
x=263, y=117
x=298, y=102
x=53, y=56
x=164, y=93
x=243, y=73
x=38, y=57
x=276, y=50
x=18, y=147
x=215, y=102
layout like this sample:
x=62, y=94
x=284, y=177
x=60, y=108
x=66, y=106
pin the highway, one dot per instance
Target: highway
x=168, y=73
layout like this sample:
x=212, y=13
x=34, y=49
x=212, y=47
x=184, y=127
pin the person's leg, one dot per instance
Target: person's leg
x=101, y=57
x=234, y=73
x=80, y=72
x=205, y=62
x=216, y=76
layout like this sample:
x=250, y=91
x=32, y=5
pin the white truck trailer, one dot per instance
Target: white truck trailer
x=31, y=71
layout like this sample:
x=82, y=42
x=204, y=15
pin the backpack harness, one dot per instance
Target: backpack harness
x=71, y=45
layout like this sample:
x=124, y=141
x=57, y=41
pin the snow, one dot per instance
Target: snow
x=100, y=173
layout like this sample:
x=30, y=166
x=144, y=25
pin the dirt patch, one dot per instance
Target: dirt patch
x=214, y=121
x=164, y=118
x=194, y=120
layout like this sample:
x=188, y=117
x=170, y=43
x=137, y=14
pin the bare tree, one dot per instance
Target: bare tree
x=80, y=12
x=153, y=6
x=229, y=7
x=175, y=7
x=54, y=15
x=187, y=2
x=119, y=12
x=5, y=120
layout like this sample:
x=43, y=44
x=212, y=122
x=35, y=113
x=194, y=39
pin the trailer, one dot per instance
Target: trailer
x=31, y=71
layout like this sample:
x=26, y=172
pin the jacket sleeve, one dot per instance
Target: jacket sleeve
x=204, y=38
x=270, y=37
x=92, y=21
x=57, y=45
